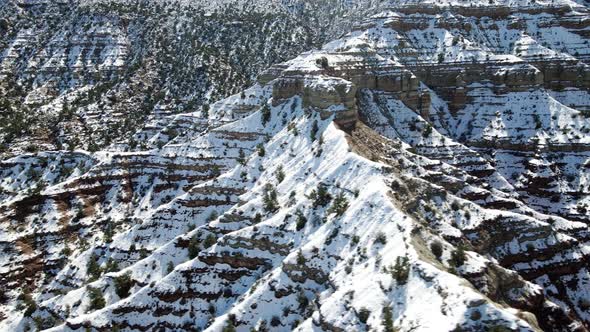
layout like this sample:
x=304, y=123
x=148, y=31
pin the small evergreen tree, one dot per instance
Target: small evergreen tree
x=123, y=284
x=143, y=253
x=215, y=170
x=29, y=304
x=93, y=270
x=388, y=319
x=275, y=321
x=261, y=151
x=194, y=246
x=170, y=267
x=96, y=299
x=300, y=258
x=302, y=300
x=210, y=240
x=363, y=315
x=339, y=205
x=437, y=249
x=241, y=157
x=301, y=220
x=427, y=131
x=320, y=196
x=111, y=266
x=381, y=238
x=229, y=327
x=265, y=114
x=314, y=130
x=323, y=62
x=401, y=270
x=108, y=232
x=280, y=174
x=270, y=200
x=458, y=256
x=212, y=216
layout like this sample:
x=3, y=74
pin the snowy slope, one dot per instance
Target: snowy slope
x=427, y=171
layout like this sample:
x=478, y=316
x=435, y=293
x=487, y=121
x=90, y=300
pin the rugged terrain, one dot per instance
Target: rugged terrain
x=426, y=171
x=90, y=74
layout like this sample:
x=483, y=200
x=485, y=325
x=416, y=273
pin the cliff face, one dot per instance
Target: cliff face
x=426, y=171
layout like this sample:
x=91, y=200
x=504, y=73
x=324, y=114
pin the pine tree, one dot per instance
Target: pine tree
x=170, y=267
x=388, y=320
x=93, y=270
x=270, y=200
x=194, y=246
x=241, y=157
x=320, y=196
x=301, y=220
x=314, y=130
x=458, y=256
x=265, y=114
x=280, y=174
x=123, y=284
x=210, y=240
x=339, y=205
x=229, y=327
x=437, y=249
x=261, y=151
x=205, y=111
x=300, y=258
x=401, y=270
x=96, y=299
